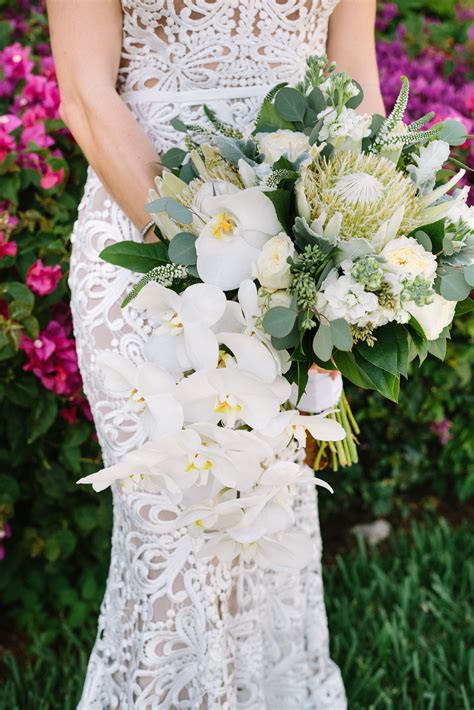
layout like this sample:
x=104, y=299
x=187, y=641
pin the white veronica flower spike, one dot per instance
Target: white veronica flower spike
x=183, y=339
x=150, y=390
x=230, y=243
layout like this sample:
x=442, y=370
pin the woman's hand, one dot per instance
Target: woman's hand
x=86, y=37
x=351, y=44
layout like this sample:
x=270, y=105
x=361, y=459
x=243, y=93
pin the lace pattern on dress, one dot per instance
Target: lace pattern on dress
x=176, y=631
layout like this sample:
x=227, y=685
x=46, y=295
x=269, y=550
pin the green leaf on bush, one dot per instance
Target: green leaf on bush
x=19, y=291
x=17, y=310
x=279, y=321
x=172, y=208
x=464, y=307
x=290, y=105
x=42, y=416
x=341, y=334
x=136, y=256
x=182, y=249
x=322, y=342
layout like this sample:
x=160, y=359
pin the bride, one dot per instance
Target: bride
x=176, y=631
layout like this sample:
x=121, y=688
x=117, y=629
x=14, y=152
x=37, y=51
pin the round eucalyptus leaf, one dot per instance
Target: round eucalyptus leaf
x=341, y=335
x=290, y=105
x=182, y=249
x=322, y=343
x=279, y=321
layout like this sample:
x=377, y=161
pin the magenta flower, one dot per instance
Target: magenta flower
x=16, y=64
x=51, y=178
x=442, y=430
x=43, y=279
x=5, y=533
x=8, y=123
x=36, y=134
x=469, y=97
x=7, y=248
x=52, y=358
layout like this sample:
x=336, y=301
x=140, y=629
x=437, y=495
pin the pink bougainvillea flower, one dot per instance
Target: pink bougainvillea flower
x=52, y=358
x=32, y=116
x=8, y=123
x=6, y=248
x=43, y=279
x=43, y=91
x=469, y=97
x=16, y=65
x=69, y=413
x=36, y=134
x=442, y=430
x=51, y=178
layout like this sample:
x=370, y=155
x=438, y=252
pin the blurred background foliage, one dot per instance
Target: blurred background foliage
x=54, y=536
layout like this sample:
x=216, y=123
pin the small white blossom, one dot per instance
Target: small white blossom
x=342, y=297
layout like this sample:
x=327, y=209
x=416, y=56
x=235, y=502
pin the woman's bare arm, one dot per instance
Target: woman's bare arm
x=351, y=44
x=86, y=37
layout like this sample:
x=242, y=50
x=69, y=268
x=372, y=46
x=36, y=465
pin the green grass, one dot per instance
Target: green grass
x=401, y=624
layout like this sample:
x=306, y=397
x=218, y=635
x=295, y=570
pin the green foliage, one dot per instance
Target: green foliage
x=401, y=620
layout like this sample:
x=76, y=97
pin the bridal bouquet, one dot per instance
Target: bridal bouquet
x=319, y=239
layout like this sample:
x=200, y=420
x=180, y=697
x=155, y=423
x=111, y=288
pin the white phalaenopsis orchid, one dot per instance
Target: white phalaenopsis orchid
x=291, y=424
x=186, y=459
x=183, y=339
x=149, y=389
x=230, y=243
x=230, y=396
x=239, y=330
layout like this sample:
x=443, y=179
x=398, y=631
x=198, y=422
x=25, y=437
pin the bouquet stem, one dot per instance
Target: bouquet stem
x=337, y=453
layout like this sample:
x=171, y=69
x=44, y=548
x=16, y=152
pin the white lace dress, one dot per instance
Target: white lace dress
x=176, y=631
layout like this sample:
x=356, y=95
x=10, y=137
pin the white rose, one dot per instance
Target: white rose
x=273, y=270
x=291, y=144
x=405, y=256
x=346, y=130
x=434, y=317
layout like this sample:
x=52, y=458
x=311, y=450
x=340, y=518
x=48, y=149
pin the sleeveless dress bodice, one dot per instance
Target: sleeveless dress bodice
x=177, y=631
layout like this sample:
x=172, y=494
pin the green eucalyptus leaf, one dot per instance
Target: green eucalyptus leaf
x=289, y=341
x=182, y=249
x=322, y=342
x=290, y=105
x=136, y=256
x=269, y=121
x=469, y=275
x=279, y=321
x=423, y=239
x=453, y=132
x=356, y=100
x=179, y=125
x=316, y=100
x=341, y=334
x=172, y=208
x=173, y=157
x=452, y=285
